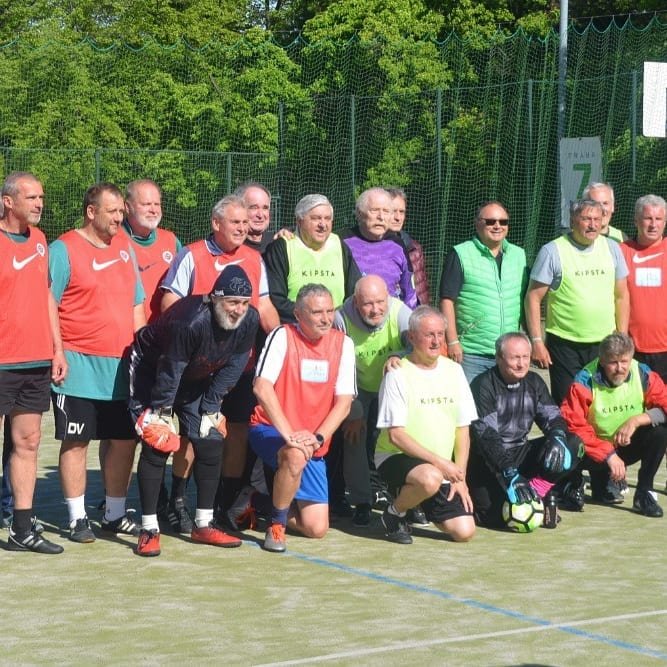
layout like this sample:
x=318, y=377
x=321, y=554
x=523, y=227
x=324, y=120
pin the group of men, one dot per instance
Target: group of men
x=282, y=353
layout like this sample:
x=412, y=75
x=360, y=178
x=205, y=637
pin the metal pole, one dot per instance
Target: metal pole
x=98, y=169
x=633, y=113
x=353, y=156
x=562, y=73
x=438, y=155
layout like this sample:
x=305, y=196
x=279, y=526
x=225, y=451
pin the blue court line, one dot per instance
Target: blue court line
x=476, y=604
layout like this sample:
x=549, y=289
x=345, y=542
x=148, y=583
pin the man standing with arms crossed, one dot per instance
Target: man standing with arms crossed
x=31, y=355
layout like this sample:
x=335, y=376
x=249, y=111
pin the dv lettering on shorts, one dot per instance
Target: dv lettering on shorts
x=74, y=428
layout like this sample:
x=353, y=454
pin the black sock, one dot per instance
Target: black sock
x=178, y=487
x=21, y=524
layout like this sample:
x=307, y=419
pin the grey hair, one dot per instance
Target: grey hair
x=361, y=205
x=615, y=345
x=397, y=192
x=10, y=187
x=578, y=206
x=308, y=203
x=310, y=289
x=422, y=312
x=218, y=210
x=244, y=187
x=131, y=189
x=649, y=200
x=501, y=341
x=586, y=194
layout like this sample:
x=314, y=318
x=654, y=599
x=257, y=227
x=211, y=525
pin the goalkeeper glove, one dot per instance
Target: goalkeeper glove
x=557, y=457
x=157, y=430
x=211, y=420
x=517, y=487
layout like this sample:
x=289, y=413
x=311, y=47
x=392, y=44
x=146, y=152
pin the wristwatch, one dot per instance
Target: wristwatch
x=320, y=439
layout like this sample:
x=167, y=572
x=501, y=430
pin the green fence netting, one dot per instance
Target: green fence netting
x=454, y=123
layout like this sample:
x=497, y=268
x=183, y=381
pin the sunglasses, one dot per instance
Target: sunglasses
x=490, y=222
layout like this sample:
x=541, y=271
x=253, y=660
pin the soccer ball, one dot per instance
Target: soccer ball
x=524, y=517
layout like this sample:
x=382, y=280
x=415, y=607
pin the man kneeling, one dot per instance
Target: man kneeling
x=305, y=384
x=425, y=410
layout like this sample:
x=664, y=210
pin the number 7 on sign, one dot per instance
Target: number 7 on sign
x=585, y=169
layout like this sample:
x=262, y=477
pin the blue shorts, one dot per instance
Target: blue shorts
x=266, y=442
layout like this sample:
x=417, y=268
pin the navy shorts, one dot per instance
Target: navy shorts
x=25, y=389
x=238, y=404
x=266, y=443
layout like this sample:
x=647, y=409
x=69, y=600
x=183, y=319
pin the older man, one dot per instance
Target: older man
x=504, y=463
x=481, y=290
x=376, y=252
x=31, y=353
x=304, y=386
x=314, y=253
x=100, y=298
x=584, y=277
x=425, y=410
x=617, y=407
x=193, y=272
x=414, y=249
x=154, y=247
x=646, y=257
x=378, y=325
x=603, y=193
x=185, y=363
x=257, y=200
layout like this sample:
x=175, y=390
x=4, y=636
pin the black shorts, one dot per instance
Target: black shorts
x=437, y=508
x=84, y=419
x=25, y=389
x=238, y=404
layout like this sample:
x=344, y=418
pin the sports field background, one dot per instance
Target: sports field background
x=591, y=592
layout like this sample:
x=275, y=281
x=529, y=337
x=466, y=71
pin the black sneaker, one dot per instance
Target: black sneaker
x=33, y=541
x=416, y=517
x=121, y=526
x=80, y=531
x=572, y=497
x=362, y=515
x=396, y=527
x=178, y=517
x=610, y=495
x=36, y=525
x=645, y=502
x=341, y=509
x=381, y=500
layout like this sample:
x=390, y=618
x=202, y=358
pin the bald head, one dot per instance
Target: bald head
x=371, y=299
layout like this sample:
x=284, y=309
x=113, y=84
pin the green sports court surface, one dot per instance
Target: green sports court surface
x=591, y=592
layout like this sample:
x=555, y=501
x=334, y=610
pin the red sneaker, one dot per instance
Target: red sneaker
x=212, y=535
x=149, y=543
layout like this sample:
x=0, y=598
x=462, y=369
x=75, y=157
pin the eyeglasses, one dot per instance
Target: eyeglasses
x=490, y=222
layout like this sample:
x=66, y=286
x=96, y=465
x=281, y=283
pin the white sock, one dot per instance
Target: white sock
x=115, y=508
x=203, y=517
x=149, y=522
x=76, y=507
x=392, y=510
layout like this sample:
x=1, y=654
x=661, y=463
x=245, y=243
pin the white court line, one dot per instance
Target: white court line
x=451, y=640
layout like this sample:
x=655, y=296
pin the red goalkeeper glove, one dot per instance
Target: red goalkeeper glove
x=157, y=430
